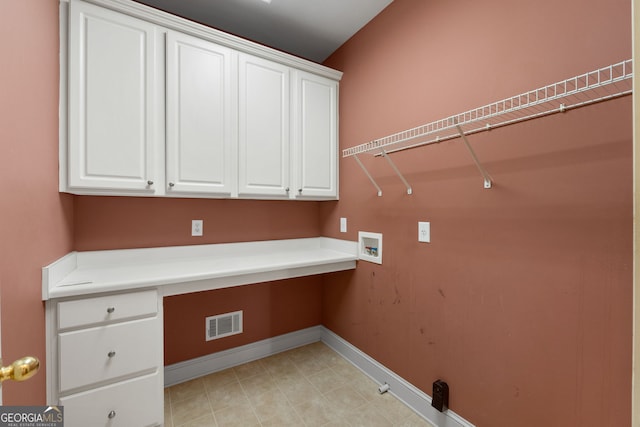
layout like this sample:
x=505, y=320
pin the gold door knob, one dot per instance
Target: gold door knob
x=20, y=370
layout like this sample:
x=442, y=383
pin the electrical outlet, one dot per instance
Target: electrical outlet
x=197, y=227
x=343, y=225
x=440, y=398
x=424, y=232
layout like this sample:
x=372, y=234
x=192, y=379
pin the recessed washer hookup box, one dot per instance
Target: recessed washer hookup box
x=370, y=246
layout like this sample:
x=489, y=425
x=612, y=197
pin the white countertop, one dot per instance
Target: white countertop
x=183, y=269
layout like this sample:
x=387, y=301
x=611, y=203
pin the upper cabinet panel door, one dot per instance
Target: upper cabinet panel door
x=201, y=118
x=315, y=142
x=112, y=101
x=264, y=107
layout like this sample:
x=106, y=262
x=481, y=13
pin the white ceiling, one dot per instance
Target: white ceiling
x=311, y=29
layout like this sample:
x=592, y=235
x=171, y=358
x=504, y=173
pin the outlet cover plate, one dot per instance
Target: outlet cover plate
x=424, y=232
x=197, y=227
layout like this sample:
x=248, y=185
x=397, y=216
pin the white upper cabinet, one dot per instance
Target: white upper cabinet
x=264, y=101
x=315, y=143
x=112, y=101
x=155, y=105
x=201, y=118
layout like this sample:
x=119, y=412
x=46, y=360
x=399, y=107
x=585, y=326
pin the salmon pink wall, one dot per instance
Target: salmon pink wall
x=129, y=222
x=36, y=221
x=269, y=310
x=522, y=302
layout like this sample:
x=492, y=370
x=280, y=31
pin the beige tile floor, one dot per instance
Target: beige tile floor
x=306, y=386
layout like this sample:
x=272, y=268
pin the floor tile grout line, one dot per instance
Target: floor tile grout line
x=315, y=387
x=168, y=394
x=285, y=395
x=306, y=377
x=290, y=360
x=322, y=358
x=253, y=409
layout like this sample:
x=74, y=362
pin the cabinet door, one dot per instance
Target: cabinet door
x=315, y=141
x=112, y=101
x=134, y=402
x=201, y=118
x=264, y=106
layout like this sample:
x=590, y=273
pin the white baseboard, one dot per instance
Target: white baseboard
x=194, y=368
x=410, y=395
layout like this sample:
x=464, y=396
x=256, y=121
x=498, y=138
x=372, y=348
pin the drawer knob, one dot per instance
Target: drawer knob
x=111, y=354
x=111, y=310
x=111, y=415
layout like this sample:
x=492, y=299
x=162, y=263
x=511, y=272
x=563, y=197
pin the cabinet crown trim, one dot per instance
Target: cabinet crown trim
x=177, y=23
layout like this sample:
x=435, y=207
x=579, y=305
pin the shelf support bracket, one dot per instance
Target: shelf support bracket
x=395, y=169
x=485, y=174
x=366, y=172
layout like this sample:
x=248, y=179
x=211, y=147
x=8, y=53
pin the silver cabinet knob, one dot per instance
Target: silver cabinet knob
x=286, y=189
x=300, y=190
x=111, y=309
x=171, y=184
x=111, y=415
x=111, y=354
x=149, y=182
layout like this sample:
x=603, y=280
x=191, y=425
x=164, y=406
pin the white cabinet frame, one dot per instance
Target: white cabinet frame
x=162, y=151
x=315, y=140
x=264, y=134
x=112, y=145
x=201, y=117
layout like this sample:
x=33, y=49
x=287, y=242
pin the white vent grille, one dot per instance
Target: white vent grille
x=223, y=325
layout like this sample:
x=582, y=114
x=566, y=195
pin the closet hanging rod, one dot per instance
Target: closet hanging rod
x=600, y=85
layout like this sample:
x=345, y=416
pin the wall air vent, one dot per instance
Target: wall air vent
x=223, y=325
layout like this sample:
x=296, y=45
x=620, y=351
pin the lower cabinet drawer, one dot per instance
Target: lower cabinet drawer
x=104, y=309
x=133, y=403
x=104, y=353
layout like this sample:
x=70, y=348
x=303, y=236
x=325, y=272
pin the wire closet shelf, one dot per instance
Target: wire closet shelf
x=600, y=85
x=588, y=88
